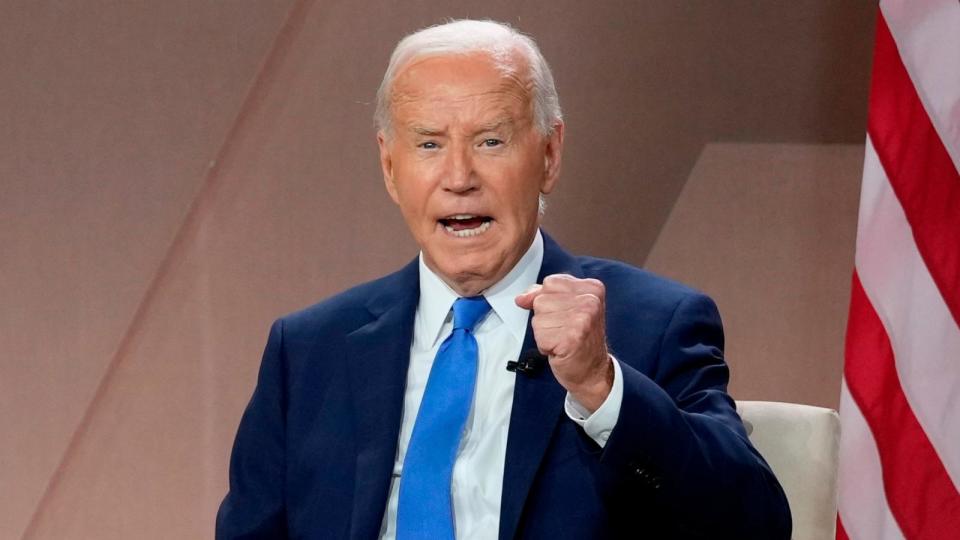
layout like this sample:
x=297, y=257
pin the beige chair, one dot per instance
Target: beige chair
x=802, y=444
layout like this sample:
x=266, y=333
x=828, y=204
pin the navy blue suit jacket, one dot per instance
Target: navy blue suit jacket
x=315, y=448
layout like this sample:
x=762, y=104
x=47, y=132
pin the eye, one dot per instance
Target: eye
x=429, y=145
x=492, y=143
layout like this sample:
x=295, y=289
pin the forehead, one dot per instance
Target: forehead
x=465, y=85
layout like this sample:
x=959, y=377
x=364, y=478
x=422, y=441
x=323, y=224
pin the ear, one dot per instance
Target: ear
x=386, y=164
x=552, y=154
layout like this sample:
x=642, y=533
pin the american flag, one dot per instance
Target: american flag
x=900, y=399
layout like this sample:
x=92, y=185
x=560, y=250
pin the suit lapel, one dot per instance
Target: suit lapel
x=379, y=353
x=379, y=356
x=537, y=407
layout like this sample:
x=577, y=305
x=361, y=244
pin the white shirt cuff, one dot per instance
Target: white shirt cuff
x=599, y=424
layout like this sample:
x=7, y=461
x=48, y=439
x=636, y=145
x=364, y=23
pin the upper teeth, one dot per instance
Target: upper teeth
x=462, y=216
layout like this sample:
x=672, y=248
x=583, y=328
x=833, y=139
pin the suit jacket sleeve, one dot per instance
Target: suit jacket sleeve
x=254, y=505
x=679, y=445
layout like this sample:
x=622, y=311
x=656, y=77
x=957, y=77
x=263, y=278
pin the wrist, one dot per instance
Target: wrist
x=592, y=392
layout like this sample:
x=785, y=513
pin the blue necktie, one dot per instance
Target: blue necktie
x=425, y=509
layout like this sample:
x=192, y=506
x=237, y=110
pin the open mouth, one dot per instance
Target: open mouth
x=466, y=225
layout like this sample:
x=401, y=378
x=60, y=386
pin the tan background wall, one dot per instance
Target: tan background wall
x=176, y=174
x=768, y=231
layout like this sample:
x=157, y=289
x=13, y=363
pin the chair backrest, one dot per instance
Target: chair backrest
x=802, y=445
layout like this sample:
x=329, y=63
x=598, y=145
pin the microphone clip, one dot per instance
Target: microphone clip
x=530, y=363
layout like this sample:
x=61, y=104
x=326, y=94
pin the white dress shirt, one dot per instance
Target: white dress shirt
x=478, y=471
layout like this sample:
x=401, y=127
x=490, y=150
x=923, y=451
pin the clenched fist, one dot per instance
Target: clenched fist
x=568, y=325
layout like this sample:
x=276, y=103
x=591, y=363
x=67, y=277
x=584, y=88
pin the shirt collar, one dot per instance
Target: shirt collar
x=436, y=297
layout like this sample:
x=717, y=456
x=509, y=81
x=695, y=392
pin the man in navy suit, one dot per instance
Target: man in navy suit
x=613, y=421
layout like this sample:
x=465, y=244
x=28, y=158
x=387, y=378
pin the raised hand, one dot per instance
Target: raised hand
x=569, y=327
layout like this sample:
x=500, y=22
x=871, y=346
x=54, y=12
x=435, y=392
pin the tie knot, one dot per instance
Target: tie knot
x=468, y=311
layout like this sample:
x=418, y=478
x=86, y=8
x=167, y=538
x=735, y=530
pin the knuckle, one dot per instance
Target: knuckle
x=599, y=289
x=552, y=279
x=591, y=301
x=558, y=281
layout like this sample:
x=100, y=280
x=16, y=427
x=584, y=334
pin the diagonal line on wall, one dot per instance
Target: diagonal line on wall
x=673, y=205
x=210, y=187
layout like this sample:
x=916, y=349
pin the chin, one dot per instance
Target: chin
x=467, y=273
x=468, y=281
x=470, y=265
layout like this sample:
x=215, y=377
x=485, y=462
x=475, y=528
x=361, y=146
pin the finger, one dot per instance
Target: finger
x=525, y=299
x=559, y=283
x=555, y=342
x=575, y=322
x=549, y=320
x=570, y=284
x=560, y=302
x=547, y=336
x=550, y=302
x=546, y=302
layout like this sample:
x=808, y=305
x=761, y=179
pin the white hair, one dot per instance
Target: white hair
x=499, y=40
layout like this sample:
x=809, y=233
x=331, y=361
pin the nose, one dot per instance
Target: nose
x=460, y=175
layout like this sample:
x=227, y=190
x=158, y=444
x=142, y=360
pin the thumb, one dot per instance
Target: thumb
x=525, y=300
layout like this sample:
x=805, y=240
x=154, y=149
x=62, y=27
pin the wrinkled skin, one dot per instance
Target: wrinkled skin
x=463, y=143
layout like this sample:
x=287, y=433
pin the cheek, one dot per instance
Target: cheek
x=415, y=188
x=414, y=205
x=523, y=192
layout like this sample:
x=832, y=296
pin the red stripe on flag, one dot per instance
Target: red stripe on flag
x=919, y=491
x=918, y=166
x=841, y=532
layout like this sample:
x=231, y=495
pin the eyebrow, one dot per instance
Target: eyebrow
x=495, y=125
x=483, y=128
x=429, y=132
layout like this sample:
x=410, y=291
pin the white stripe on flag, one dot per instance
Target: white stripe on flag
x=924, y=337
x=863, y=505
x=928, y=37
